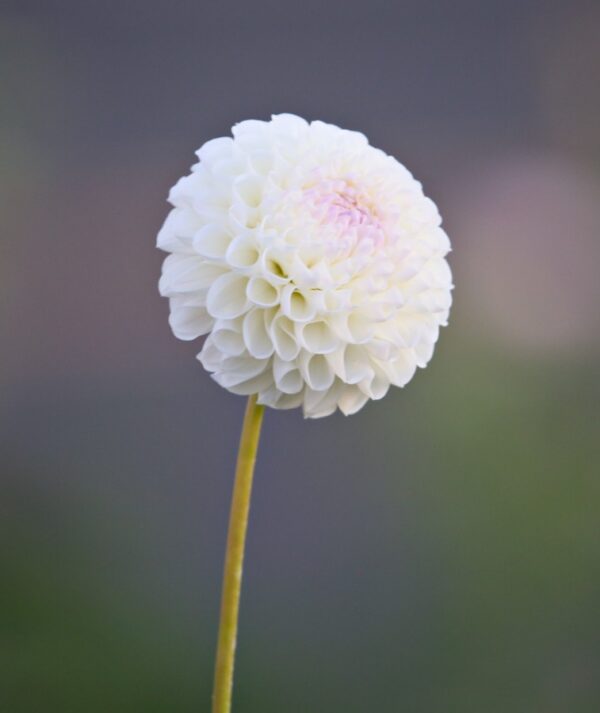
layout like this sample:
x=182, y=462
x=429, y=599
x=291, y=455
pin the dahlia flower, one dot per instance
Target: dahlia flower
x=312, y=261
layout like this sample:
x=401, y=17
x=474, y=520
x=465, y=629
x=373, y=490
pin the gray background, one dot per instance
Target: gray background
x=438, y=551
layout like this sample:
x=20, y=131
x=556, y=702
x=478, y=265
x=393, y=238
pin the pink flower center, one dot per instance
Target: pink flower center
x=340, y=205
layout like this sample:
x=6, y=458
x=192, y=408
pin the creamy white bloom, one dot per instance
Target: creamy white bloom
x=313, y=262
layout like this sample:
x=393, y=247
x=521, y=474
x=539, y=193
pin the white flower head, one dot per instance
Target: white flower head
x=313, y=262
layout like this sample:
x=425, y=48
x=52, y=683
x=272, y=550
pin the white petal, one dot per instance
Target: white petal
x=287, y=376
x=186, y=322
x=284, y=339
x=261, y=161
x=351, y=400
x=272, y=267
x=245, y=386
x=318, y=404
x=317, y=337
x=351, y=363
x=297, y=305
x=177, y=231
x=274, y=398
x=226, y=297
x=290, y=123
x=227, y=336
x=249, y=190
x=316, y=371
x=242, y=252
x=262, y=293
x=252, y=386
x=256, y=337
x=402, y=369
x=424, y=352
x=376, y=386
x=238, y=370
x=212, y=241
x=360, y=328
x=186, y=273
x=353, y=327
x=210, y=355
x=215, y=149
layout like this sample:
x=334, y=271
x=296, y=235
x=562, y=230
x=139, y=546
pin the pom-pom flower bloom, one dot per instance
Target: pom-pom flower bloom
x=313, y=262
x=316, y=267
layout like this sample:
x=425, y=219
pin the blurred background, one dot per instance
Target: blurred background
x=440, y=550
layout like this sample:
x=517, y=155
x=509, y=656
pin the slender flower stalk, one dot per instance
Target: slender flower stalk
x=234, y=558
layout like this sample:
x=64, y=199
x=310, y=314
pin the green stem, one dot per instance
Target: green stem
x=234, y=558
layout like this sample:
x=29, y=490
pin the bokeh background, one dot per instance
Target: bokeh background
x=437, y=552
